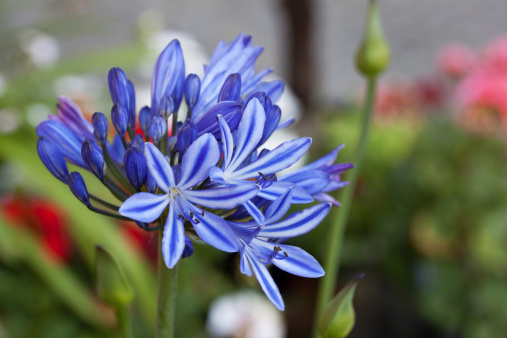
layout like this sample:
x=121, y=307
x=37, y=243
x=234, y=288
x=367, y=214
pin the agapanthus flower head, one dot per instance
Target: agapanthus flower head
x=198, y=170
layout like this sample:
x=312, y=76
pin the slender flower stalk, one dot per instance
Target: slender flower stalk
x=167, y=289
x=372, y=58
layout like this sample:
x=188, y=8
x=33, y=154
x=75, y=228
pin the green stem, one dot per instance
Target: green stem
x=167, y=285
x=335, y=236
x=124, y=323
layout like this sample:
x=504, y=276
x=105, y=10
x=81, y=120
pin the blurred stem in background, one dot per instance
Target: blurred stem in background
x=167, y=288
x=372, y=58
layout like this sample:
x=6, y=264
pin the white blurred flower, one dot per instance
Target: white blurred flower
x=245, y=314
x=42, y=49
x=9, y=121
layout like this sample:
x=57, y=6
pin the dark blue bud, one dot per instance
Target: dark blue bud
x=100, y=127
x=53, y=159
x=131, y=110
x=135, y=167
x=145, y=119
x=78, y=187
x=189, y=248
x=187, y=134
x=144, y=226
x=138, y=143
x=261, y=96
x=166, y=106
x=151, y=185
x=231, y=90
x=118, y=87
x=192, y=90
x=93, y=158
x=119, y=118
x=158, y=128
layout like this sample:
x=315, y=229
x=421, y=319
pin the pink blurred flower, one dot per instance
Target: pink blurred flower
x=455, y=60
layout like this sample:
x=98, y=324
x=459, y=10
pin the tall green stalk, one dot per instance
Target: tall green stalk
x=167, y=288
x=123, y=322
x=340, y=216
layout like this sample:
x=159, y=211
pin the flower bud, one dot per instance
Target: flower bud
x=166, y=107
x=93, y=158
x=189, y=248
x=192, y=90
x=231, y=89
x=53, y=159
x=187, y=134
x=158, y=128
x=151, y=185
x=118, y=87
x=373, y=55
x=112, y=284
x=135, y=167
x=138, y=142
x=145, y=119
x=100, y=127
x=338, y=319
x=119, y=118
x=78, y=187
x=131, y=110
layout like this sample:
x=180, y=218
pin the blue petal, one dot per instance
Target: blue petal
x=280, y=206
x=227, y=141
x=217, y=175
x=230, y=110
x=168, y=77
x=231, y=89
x=144, y=206
x=325, y=160
x=72, y=117
x=298, y=223
x=272, y=120
x=282, y=157
x=255, y=212
x=273, y=89
x=214, y=230
x=276, y=189
x=244, y=267
x=222, y=198
x=286, y=124
x=298, y=262
x=197, y=161
x=266, y=281
x=249, y=133
x=64, y=139
x=313, y=181
x=325, y=198
x=173, y=240
x=159, y=168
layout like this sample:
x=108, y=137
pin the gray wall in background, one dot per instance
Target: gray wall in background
x=415, y=29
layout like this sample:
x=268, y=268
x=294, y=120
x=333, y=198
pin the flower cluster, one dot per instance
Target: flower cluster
x=198, y=169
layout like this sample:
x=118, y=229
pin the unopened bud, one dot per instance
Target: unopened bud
x=93, y=158
x=373, y=55
x=53, y=159
x=78, y=187
x=338, y=318
x=192, y=90
x=135, y=167
x=100, y=127
x=158, y=128
x=231, y=89
x=119, y=118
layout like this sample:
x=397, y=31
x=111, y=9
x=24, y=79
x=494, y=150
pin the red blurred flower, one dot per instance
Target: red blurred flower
x=44, y=219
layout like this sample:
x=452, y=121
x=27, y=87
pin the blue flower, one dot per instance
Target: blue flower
x=185, y=201
x=260, y=245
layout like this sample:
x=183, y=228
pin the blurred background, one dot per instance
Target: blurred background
x=428, y=223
